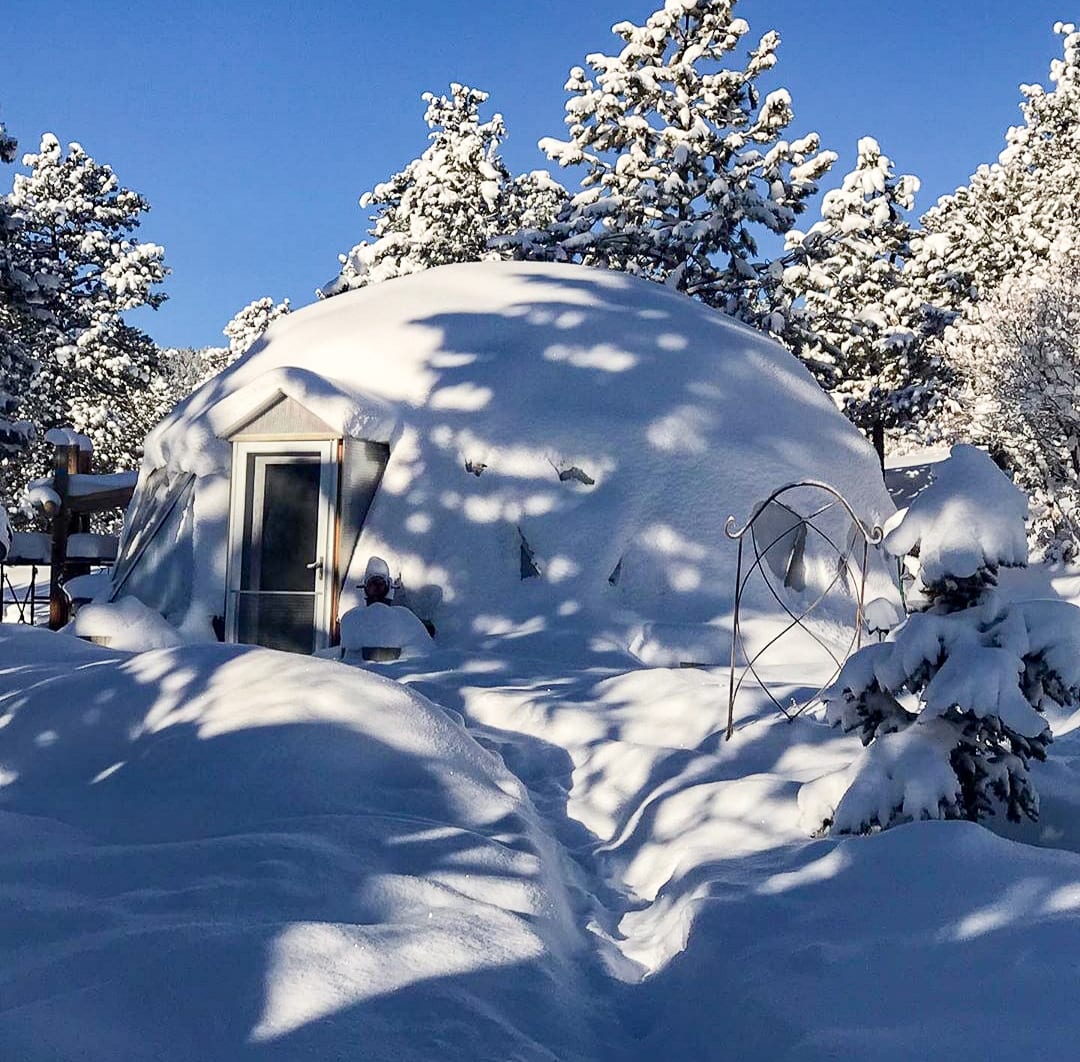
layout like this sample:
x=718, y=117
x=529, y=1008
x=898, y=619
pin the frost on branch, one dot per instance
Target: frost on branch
x=950, y=706
x=1017, y=356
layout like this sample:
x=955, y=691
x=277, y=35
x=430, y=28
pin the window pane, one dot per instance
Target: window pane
x=283, y=541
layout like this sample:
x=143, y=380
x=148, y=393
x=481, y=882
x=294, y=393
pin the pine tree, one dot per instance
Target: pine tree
x=249, y=324
x=186, y=368
x=449, y=204
x=951, y=706
x=859, y=323
x=1014, y=215
x=17, y=314
x=91, y=371
x=999, y=252
x=684, y=160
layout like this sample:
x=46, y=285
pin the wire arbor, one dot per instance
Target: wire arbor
x=785, y=533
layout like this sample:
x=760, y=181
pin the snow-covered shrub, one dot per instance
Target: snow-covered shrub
x=950, y=704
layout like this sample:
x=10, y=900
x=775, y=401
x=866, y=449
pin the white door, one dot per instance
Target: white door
x=281, y=539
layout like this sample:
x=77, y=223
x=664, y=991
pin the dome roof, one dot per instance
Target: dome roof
x=593, y=425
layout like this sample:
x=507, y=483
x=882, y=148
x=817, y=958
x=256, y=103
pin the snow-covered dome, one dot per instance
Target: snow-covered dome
x=565, y=443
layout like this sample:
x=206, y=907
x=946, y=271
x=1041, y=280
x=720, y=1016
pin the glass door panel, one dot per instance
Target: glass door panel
x=277, y=596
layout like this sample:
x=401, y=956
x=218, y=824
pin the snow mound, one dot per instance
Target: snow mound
x=381, y=625
x=215, y=853
x=565, y=445
x=126, y=624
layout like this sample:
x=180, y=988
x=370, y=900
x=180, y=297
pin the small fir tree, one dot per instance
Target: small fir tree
x=951, y=705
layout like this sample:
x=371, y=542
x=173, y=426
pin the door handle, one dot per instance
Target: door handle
x=316, y=566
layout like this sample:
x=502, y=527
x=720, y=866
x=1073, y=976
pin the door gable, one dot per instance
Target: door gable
x=282, y=418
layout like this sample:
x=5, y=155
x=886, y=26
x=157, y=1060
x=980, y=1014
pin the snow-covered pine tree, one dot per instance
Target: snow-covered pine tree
x=1000, y=251
x=858, y=323
x=17, y=316
x=450, y=203
x=950, y=706
x=93, y=371
x=185, y=368
x=1012, y=216
x=684, y=160
x=250, y=323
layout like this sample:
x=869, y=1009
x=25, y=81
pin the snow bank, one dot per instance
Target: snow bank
x=216, y=853
x=596, y=424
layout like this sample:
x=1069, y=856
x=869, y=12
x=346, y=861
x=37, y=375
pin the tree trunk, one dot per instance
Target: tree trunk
x=877, y=437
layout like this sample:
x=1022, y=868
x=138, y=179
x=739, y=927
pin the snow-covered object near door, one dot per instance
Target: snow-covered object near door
x=383, y=626
x=563, y=447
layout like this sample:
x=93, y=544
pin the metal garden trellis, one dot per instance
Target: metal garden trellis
x=800, y=527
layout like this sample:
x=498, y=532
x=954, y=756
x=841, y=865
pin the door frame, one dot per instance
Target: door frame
x=326, y=578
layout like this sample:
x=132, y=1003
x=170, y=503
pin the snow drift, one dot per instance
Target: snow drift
x=219, y=852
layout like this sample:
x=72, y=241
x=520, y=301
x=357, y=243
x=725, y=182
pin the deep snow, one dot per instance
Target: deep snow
x=537, y=848
x=223, y=852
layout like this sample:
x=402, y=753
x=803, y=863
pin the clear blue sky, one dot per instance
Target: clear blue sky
x=254, y=127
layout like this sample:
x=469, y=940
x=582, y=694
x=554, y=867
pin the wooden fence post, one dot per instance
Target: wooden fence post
x=65, y=464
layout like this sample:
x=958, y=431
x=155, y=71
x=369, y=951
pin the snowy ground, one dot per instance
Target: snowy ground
x=222, y=853
x=536, y=851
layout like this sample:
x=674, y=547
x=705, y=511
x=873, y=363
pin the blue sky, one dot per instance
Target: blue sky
x=254, y=127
